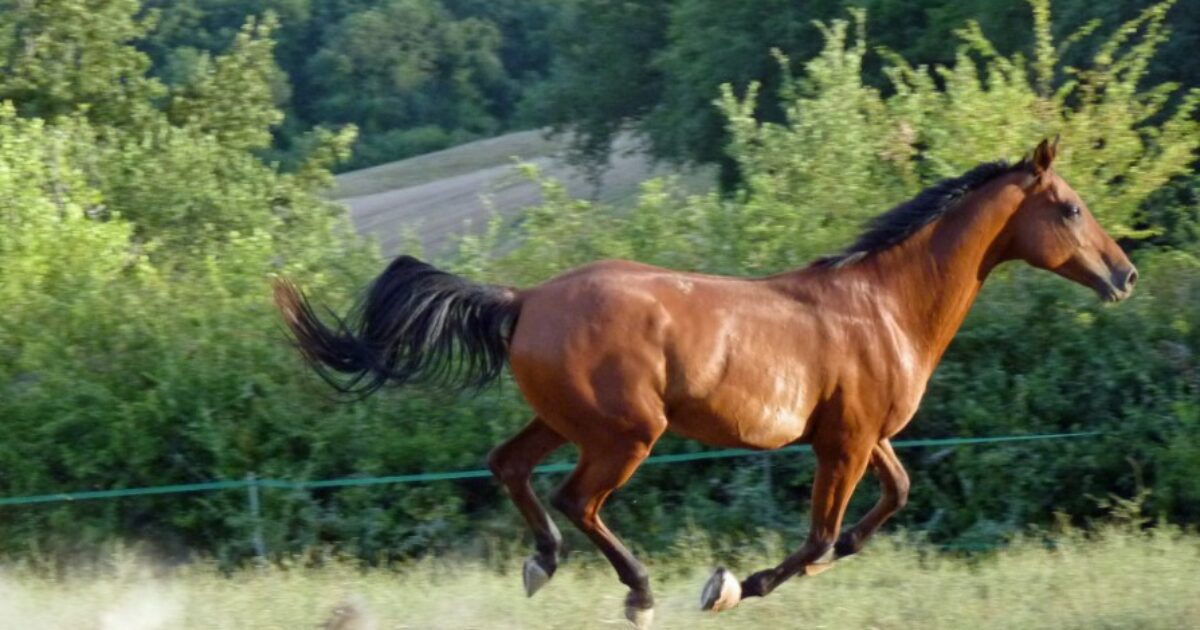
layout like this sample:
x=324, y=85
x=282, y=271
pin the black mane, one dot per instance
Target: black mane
x=899, y=223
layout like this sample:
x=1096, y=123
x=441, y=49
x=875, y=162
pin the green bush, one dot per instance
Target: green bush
x=138, y=345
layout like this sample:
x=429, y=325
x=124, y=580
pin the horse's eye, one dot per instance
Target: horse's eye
x=1070, y=211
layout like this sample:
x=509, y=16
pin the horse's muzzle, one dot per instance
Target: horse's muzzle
x=1120, y=286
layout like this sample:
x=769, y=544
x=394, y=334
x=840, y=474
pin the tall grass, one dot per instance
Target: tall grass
x=1114, y=578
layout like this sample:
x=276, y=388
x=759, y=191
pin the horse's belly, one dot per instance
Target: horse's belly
x=731, y=416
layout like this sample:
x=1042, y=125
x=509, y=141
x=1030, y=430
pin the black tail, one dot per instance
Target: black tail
x=414, y=324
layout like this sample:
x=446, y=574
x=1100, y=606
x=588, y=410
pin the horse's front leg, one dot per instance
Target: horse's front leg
x=839, y=469
x=894, y=484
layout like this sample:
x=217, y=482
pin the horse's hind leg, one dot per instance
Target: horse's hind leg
x=894, y=482
x=602, y=469
x=838, y=472
x=512, y=463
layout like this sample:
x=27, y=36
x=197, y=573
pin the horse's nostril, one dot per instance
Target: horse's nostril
x=1131, y=278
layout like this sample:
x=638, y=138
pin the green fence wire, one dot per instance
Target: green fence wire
x=252, y=482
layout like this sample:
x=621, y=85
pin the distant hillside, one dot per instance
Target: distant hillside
x=439, y=195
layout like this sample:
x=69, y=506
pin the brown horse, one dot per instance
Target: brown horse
x=613, y=354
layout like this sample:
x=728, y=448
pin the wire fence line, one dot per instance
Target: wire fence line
x=253, y=483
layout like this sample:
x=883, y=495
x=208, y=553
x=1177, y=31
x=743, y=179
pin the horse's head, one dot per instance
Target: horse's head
x=1053, y=229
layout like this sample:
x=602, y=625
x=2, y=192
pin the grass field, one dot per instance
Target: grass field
x=1113, y=580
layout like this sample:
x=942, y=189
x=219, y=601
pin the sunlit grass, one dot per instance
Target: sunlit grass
x=1110, y=580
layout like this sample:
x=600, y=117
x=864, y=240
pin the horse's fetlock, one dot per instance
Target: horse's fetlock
x=548, y=561
x=640, y=581
x=759, y=584
x=640, y=598
x=548, y=547
x=847, y=544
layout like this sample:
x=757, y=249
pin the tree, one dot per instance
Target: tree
x=408, y=64
x=231, y=96
x=137, y=336
x=602, y=82
x=68, y=55
x=656, y=66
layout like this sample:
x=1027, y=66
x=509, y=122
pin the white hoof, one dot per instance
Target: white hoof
x=641, y=618
x=534, y=576
x=722, y=591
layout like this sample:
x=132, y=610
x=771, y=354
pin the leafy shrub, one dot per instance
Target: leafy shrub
x=138, y=345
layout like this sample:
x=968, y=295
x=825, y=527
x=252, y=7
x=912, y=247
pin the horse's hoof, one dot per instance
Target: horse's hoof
x=722, y=591
x=533, y=575
x=641, y=618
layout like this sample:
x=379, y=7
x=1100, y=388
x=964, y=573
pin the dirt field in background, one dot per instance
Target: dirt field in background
x=437, y=196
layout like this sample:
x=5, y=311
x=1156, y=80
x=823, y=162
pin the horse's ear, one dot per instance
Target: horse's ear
x=1043, y=156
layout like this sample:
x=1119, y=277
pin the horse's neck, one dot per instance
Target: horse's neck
x=934, y=277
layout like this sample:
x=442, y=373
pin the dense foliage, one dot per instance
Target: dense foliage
x=413, y=75
x=141, y=224
x=658, y=71
x=419, y=75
